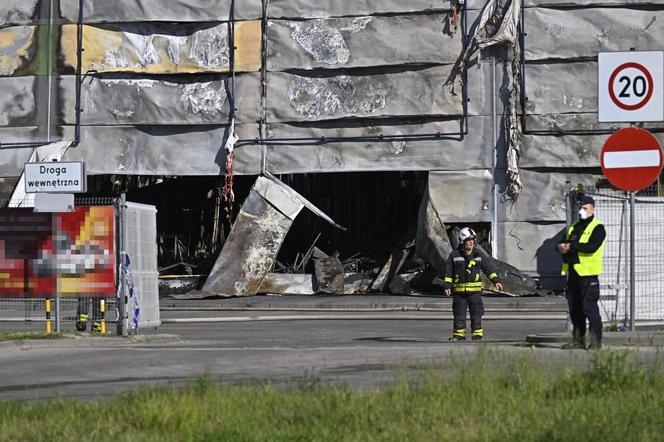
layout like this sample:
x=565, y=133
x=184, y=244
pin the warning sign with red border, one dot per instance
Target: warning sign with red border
x=630, y=86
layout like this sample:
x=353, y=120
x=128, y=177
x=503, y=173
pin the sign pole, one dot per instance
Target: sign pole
x=632, y=263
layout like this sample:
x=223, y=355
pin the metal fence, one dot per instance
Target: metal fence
x=613, y=209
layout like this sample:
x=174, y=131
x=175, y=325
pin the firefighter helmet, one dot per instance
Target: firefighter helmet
x=466, y=234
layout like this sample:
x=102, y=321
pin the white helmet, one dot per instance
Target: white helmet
x=465, y=234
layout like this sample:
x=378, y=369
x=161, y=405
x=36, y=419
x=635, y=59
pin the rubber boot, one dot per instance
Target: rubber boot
x=577, y=343
x=595, y=342
x=458, y=335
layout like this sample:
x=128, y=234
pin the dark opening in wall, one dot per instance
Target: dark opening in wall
x=379, y=209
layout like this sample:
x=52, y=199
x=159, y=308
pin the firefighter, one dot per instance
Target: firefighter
x=581, y=251
x=463, y=282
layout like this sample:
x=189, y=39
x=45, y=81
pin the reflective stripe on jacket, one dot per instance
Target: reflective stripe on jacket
x=590, y=264
x=462, y=272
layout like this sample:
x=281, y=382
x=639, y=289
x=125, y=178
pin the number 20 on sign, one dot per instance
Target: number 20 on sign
x=630, y=86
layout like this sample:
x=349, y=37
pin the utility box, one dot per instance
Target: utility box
x=140, y=244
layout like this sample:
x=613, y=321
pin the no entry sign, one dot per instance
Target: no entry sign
x=631, y=159
x=630, y=86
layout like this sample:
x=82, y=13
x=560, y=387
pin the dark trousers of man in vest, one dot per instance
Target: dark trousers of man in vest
x=467, y=301
x=582, y=299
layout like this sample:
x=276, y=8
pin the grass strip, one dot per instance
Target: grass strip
x=31, y=335
x=491, y=397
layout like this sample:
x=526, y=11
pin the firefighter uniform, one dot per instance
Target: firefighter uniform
x=583, y=265
x=462, y=275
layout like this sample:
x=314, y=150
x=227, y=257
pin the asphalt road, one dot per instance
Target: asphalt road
x=361, y=352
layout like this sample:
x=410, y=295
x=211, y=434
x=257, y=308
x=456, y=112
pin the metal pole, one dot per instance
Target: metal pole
x=494, y=142
x=57, y=251
x=122, y=296
x=632, y=262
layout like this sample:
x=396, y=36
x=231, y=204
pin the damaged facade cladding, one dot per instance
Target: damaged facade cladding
x=159, y=99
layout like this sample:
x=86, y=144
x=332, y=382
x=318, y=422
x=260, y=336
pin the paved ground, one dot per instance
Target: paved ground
x=361, y=340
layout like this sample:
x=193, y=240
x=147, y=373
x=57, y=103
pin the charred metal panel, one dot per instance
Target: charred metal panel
x=160, y=150
x=334, y=8
x=582, y=121
x=17, y=46
x=360, y=41
x=439, y=154
x=146, y=150
x=158, y=10
x=254, y=242
x=530, y=247
x=568, y=151
x=543, y=196
x=163, y=48
x=556, y=34
x=561, y=88
x=18, y=12
x=412, y=93
x=7, y=186
x=17, y=102
x=114, y=99
x=461, y=196
x=593, y=3
x=13, y=160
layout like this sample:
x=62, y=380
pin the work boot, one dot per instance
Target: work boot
x=478, y=334
x=574, y=345
x=595, y=342
x=458, y=335
x=82, y=322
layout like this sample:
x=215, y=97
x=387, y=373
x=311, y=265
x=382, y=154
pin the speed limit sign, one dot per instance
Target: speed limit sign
x=630, y=86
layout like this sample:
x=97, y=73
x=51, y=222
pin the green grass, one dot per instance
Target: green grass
x=490, y=398
x=32, y=335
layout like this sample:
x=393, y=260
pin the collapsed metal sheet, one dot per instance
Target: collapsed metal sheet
x=412, y=93
x=461, y=196
x=252, y=246
x=18, y=12
x=584, y=121
x=439, y=154
x=17, y=46
x=431, y=240
x=560, y=34
x=163, y=48
x=114, y=99
x=360, y=41
x=17, y=102
x=543, y=195
x=559, y=88
x=530, y=247
x=95, y=11
x=332, y=8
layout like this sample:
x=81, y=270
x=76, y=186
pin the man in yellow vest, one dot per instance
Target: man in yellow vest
x=582, y=263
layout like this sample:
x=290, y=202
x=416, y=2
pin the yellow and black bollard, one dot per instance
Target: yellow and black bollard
x=48, y=316
x=102, y=316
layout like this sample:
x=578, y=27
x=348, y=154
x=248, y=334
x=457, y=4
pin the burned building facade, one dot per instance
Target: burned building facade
x=391, y=116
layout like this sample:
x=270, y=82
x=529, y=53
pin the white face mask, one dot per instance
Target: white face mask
x=584, y=214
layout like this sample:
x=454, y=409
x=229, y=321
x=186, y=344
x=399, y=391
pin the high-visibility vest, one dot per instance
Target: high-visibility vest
x=589, y=264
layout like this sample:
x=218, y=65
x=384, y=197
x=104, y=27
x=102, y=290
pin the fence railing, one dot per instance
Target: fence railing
x=613, y=209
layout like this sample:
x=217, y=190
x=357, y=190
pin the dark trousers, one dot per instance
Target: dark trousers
x=467, y=301
x=582, y=300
